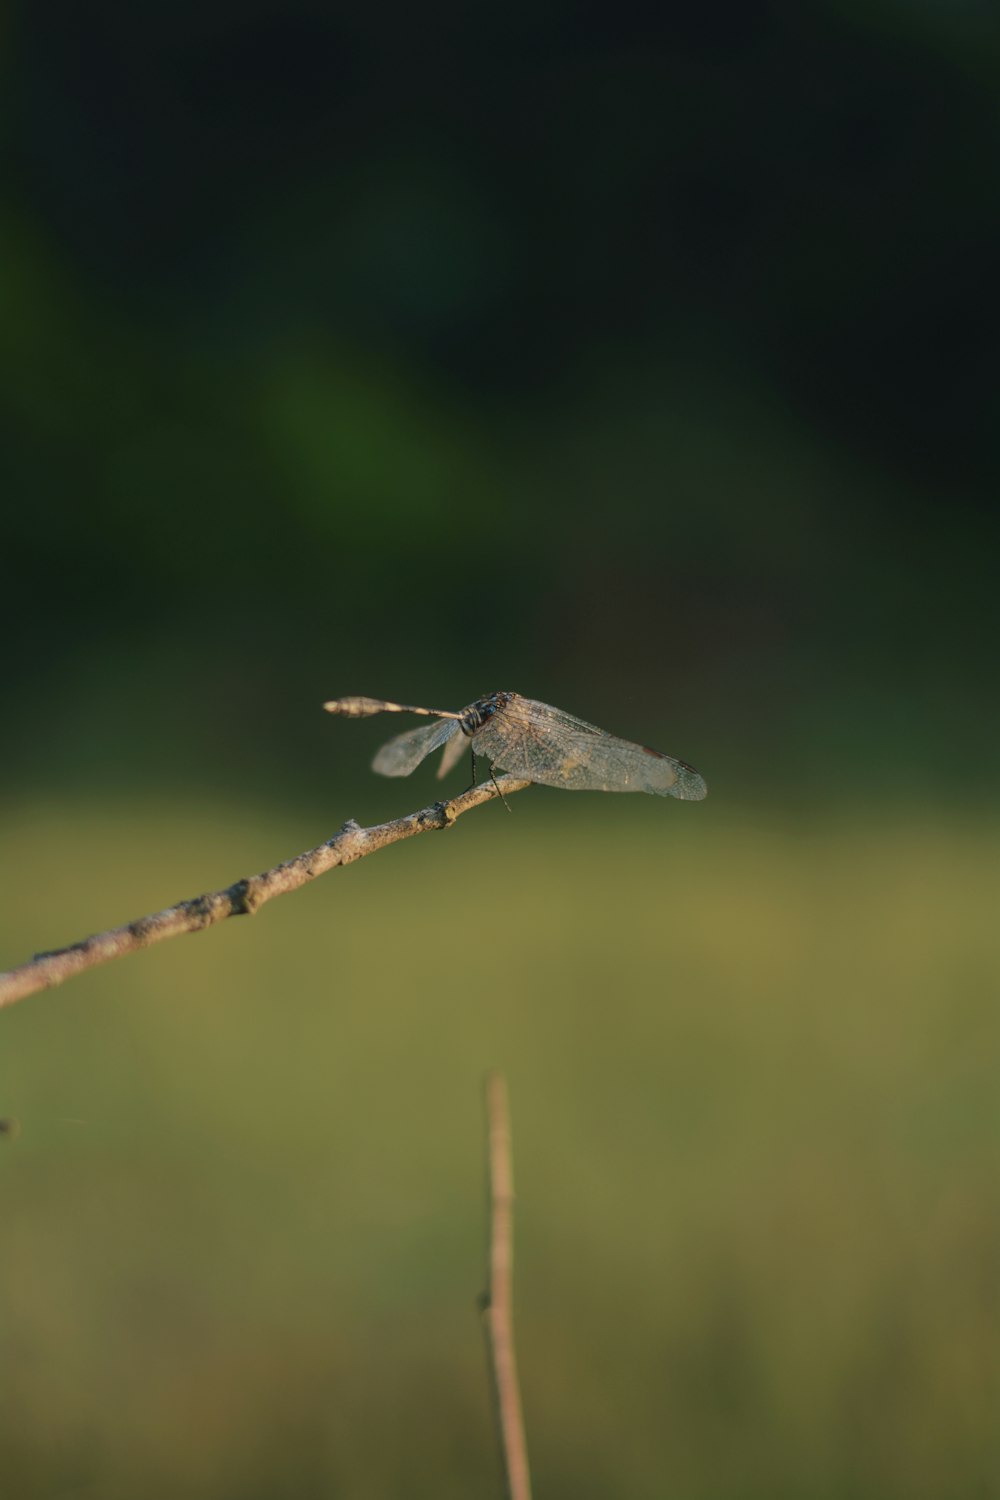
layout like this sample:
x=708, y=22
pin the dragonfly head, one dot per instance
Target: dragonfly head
x=482, y=711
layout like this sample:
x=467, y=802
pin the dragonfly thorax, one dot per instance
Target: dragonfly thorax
x=481, y=712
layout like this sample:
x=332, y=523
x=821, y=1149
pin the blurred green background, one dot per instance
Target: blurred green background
x=643, y=365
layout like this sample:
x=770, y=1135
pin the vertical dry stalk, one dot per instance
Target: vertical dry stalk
x=497, y=1302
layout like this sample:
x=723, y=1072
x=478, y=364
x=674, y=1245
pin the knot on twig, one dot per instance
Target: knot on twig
x=245, y=896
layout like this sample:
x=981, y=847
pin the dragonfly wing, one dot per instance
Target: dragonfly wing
x=521, y=739
x=404, y=753
x=453, y=752
x=548, y=746
x=622, y=766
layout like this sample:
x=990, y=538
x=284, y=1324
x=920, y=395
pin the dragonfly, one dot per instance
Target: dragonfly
x=528, y=739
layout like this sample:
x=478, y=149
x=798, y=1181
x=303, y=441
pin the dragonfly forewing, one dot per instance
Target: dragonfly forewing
x=545, y=745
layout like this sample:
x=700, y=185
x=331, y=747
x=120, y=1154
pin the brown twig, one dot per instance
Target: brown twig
x=242, y=898
x=497, y=1301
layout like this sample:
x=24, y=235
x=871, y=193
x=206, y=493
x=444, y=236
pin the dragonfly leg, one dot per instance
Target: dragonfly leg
x=496, y=786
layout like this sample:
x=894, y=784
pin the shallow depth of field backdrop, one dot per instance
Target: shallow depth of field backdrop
x=647, y=368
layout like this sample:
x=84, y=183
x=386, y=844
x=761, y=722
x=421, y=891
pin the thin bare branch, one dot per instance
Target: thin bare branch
x=498, y=1300
x=244, y=897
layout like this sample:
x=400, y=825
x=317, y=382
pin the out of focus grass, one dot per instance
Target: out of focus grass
x=753, y=1072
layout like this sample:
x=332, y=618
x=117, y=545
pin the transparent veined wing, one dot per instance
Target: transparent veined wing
x=404, y=753
x=453, y=752
x=545, y=745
